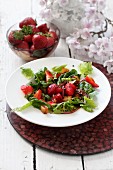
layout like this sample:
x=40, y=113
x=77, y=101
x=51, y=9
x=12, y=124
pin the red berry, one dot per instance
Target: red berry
x=57, y=98
x=70, y=89
x=49, y=75
x=59, y=90
x=51, y=89
x=28, y=38
x=39, y=41
x=34, y=29
x=43, y=28
x=27, y=89
x=14, y=37
x=53, y=34
x=38, y=94
x=23, y=45
x=32, y=48
x=27, y=21
x=50, y=41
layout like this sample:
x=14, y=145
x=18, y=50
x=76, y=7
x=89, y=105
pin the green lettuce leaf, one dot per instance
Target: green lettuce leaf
x=89, y=104
x=58, y=69
x=86, y=68
x=27, y=72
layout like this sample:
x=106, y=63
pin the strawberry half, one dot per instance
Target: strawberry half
x=39, y=41
x=70, y=89
x=27, y=21
x=49, y=75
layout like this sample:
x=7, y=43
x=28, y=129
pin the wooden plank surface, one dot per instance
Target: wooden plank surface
x=15, y=153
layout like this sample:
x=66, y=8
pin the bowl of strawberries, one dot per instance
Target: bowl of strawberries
x=31, y=39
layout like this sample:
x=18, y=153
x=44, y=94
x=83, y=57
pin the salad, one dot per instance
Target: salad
x=60, y=90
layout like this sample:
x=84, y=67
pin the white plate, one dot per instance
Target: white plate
x=15, y=97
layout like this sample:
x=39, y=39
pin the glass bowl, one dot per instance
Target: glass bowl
x=29, y=55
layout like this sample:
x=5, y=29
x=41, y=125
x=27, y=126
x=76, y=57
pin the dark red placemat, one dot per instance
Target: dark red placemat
x=92, y=137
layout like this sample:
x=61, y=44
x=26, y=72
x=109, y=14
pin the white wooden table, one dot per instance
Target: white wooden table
x=16, y=153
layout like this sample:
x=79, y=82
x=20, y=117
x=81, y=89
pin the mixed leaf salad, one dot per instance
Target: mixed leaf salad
x=60, y=90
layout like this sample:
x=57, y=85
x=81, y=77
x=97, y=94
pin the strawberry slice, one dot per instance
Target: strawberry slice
x=38, y=94
x=27, y=21
x=91, y=81
x=27, y=89
x=49, y=75
x=39, y=41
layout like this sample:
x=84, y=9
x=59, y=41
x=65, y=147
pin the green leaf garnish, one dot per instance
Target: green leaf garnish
x=27, y=30
x=89, y=104
x=27, y=72
x=86, y=87
x=86, y=68
x=19, y=109
x=18, y=35
x=58, y=69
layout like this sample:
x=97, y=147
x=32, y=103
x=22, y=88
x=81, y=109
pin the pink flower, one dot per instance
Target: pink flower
x=63, y=3
x=46, y=14
x=87, y=23
x=109, y=65
x=43, y=2
x=90, y=12
x=85, y=33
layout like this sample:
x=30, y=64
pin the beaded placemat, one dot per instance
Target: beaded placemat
x=92, y=137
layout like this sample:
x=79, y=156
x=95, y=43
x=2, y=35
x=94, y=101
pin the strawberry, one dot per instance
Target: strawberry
x=39, y=41
x=27, y=89
x=70, y=89
x=59, y=90
x=51, y=103
x=32, y=48
x=53, y=34
x=27, y=21
x=43, y=28
x=50, y=41
x=38, y=94
x=28, y=38
x=51, y=89
x=23, y=45
x=15, y=37
x=34, y=29
x=57, y=98
x=49, y=75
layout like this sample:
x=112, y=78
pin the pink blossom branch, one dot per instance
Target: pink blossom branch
x=102, y=31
